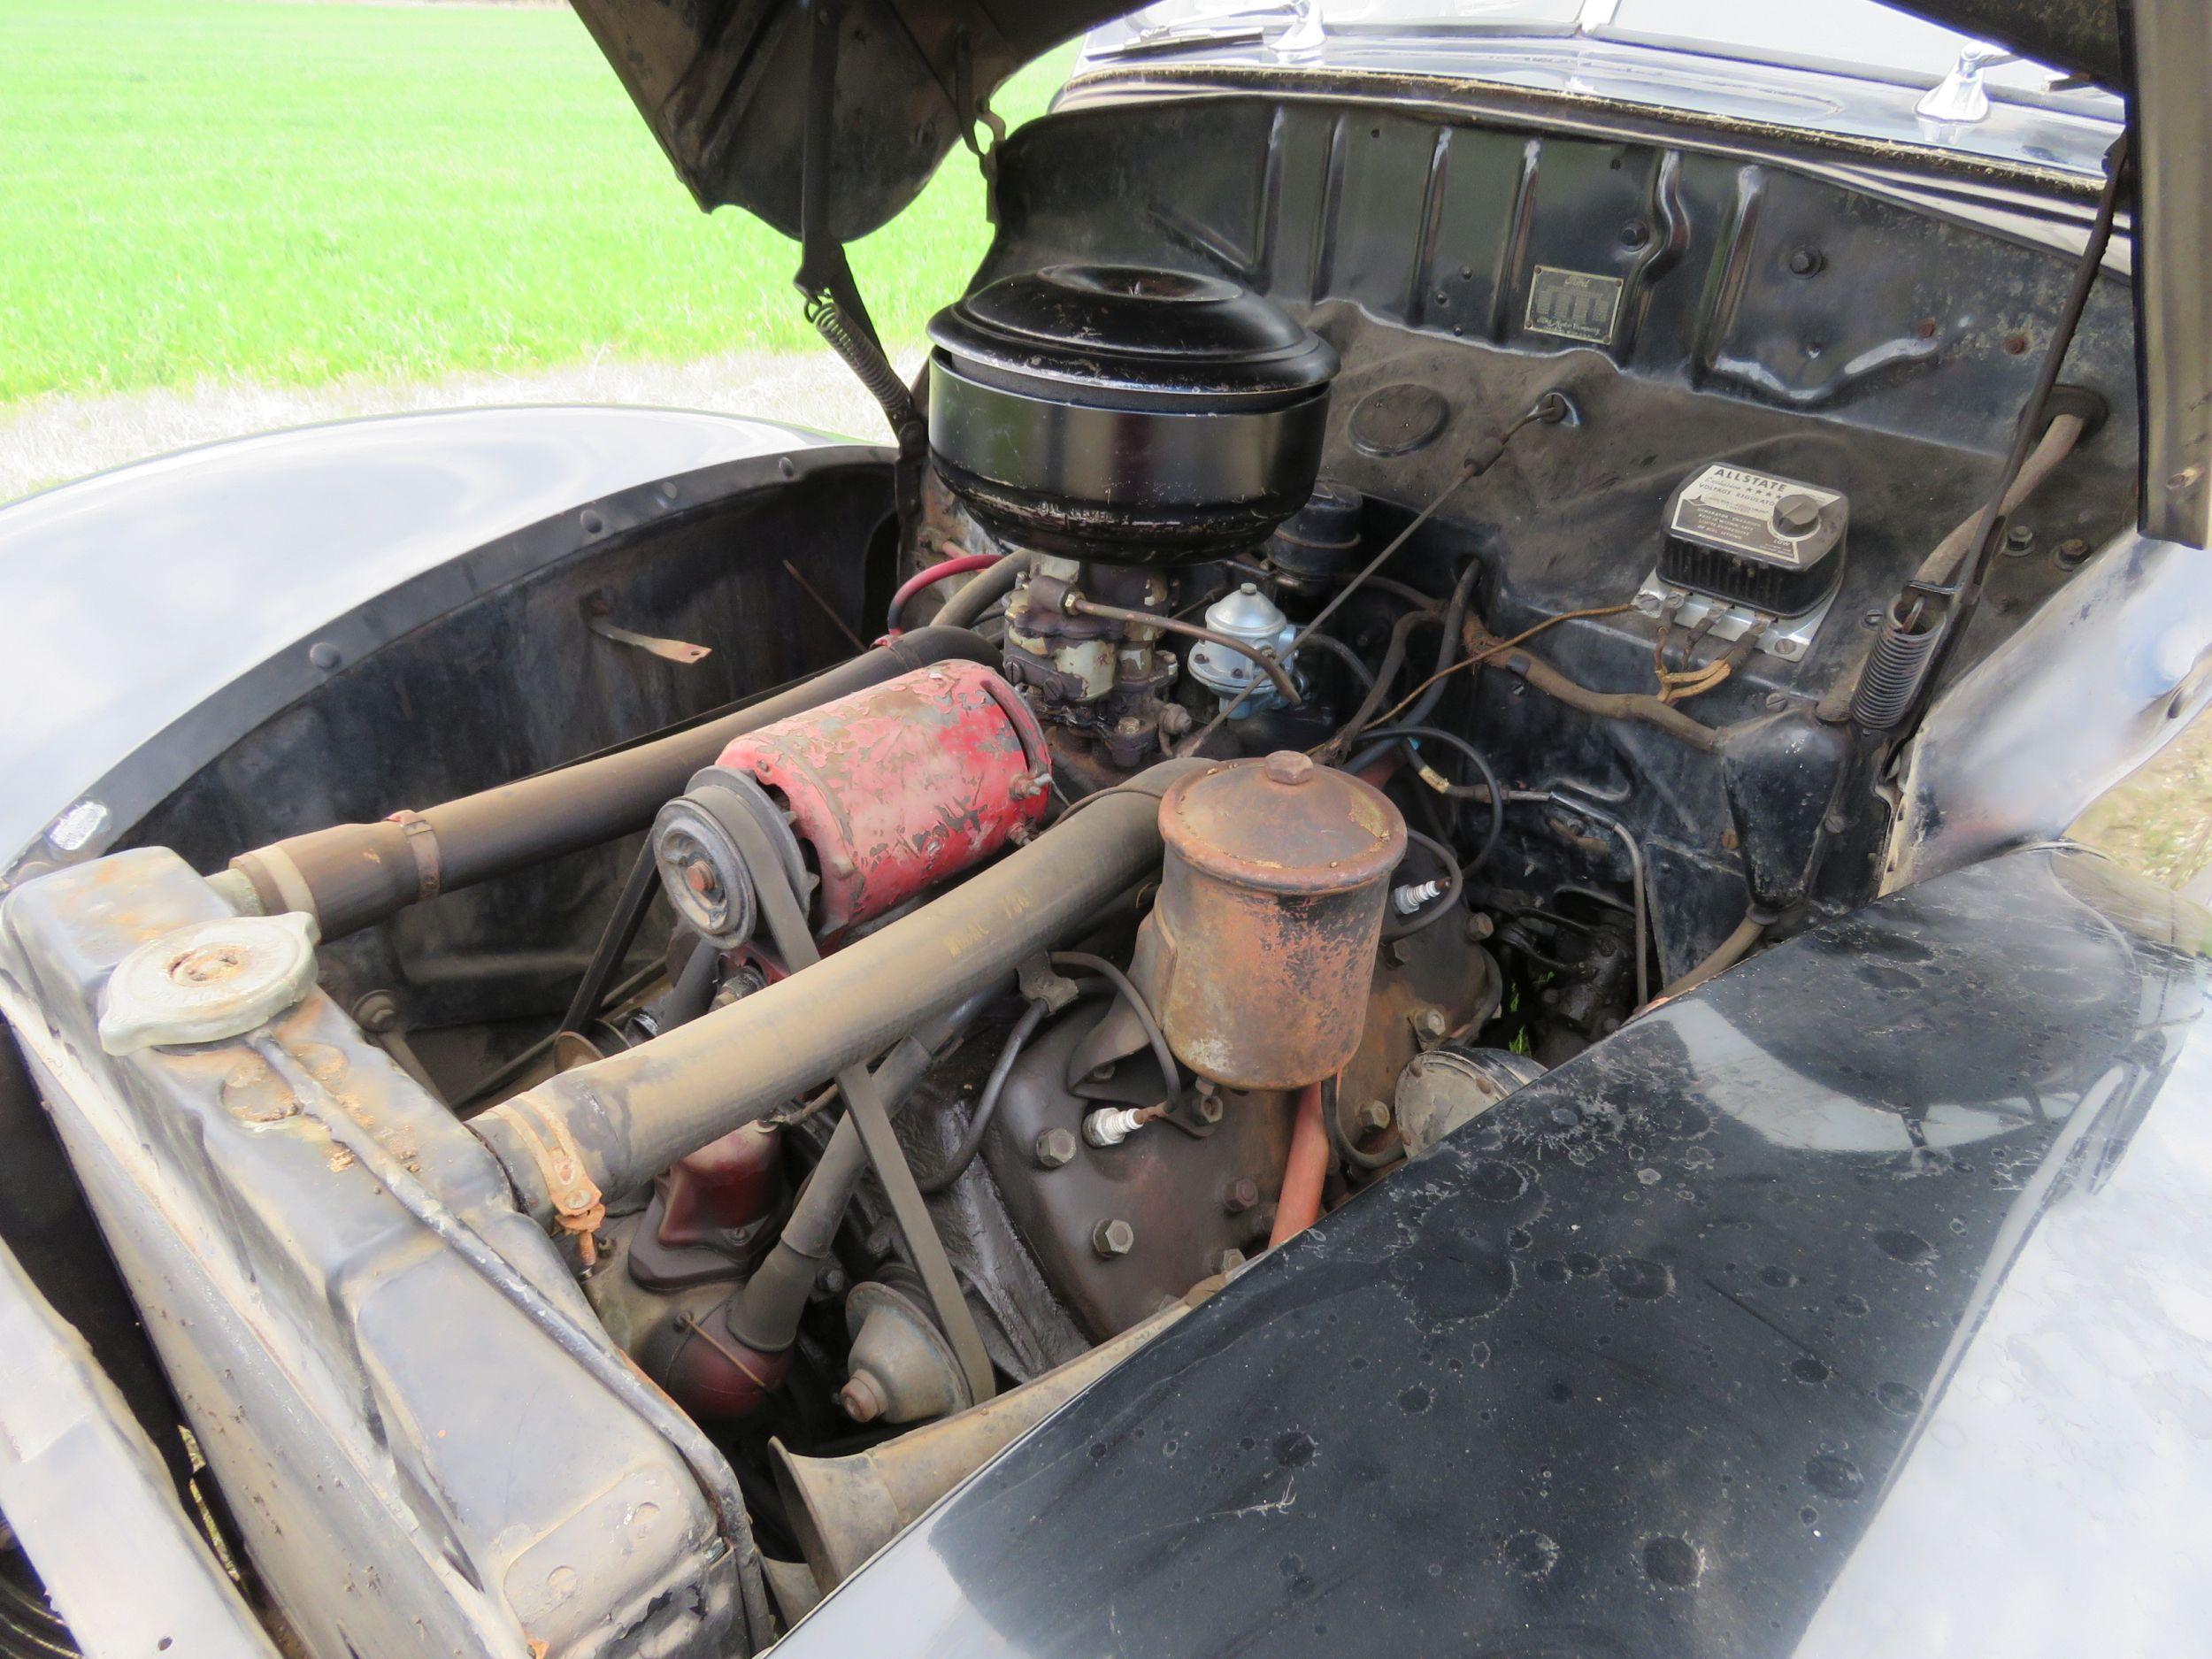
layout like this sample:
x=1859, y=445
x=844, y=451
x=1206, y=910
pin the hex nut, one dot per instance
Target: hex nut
x=1430, y=1022
x=1113, y=1237
x=1056, y=1147
x=1373, y=1117
x=1229, y=1261
x=1239, y=1194
x=1209, y=1107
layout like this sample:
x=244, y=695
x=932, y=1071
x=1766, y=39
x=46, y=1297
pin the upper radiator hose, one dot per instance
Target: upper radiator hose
x=352, y=876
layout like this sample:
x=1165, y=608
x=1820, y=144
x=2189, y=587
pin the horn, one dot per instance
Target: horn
x=846, y=1508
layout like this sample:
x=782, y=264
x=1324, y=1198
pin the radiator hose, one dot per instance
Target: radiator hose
x=352, y=876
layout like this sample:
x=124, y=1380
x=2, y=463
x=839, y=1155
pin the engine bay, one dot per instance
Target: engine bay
x=1386, y=603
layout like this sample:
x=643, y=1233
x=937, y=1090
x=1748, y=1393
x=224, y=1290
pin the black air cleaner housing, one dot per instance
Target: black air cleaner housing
x=1126, y=415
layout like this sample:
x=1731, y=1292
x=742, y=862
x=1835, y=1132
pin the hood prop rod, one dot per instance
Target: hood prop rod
x=825, y=277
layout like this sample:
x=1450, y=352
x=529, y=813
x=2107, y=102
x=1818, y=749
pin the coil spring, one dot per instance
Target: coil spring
x=1894, y=670
x=872, y=368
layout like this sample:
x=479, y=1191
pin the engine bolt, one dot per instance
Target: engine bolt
x=699, y=876
x=861, y=1398
x=1113, y=1237
x=2071, y=552
x=1239, y=1194
x=1209, y=1108
x=1373, y=1117
x=1056, y=1147
x=1228, y=1261
x=1430, y=1023
x=1480, y=926
x=2019, y=539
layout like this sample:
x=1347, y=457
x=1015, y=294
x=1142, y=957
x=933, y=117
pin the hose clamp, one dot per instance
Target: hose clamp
x=422, y=844
x=579, y=1206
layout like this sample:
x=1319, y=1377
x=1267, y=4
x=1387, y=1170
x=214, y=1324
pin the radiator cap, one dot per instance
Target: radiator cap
x=208, y=981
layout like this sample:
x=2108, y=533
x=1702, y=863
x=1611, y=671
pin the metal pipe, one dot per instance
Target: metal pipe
x=352, y=876
x=1638, y=878
x=634, y=1114
x=1725, y=955
x=1264, y=661
x=1298, y=1206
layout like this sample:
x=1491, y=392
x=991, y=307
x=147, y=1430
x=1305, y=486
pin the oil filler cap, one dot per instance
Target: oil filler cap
x=208, y=981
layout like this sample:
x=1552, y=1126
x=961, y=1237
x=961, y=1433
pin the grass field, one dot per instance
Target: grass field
x=196, y=190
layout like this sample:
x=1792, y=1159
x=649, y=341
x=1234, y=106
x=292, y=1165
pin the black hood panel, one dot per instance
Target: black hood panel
x=723, y=83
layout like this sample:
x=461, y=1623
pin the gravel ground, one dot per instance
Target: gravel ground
x=51, y=440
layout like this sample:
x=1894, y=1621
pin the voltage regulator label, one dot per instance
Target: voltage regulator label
x=1733, y=507
x=1575, y=304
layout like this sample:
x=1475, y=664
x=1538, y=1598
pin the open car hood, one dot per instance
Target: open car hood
x=723, y=83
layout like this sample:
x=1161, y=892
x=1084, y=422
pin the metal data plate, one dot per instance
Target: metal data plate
x=1788, y=638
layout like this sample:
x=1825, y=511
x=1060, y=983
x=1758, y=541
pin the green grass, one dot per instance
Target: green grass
x=236, y=189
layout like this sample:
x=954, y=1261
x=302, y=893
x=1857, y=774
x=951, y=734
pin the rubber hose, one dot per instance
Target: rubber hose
x=977, y=594
x=943, y=571
x=1394, y=658
x=1170, y=1072
x=1490, y=785
x=765, y=1315
x=1345, y=653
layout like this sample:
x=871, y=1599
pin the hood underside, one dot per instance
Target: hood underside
x=723, y=83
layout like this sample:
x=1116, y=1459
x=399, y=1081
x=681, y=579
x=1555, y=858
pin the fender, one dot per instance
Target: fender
x=1850, y=1305
x=159, y=612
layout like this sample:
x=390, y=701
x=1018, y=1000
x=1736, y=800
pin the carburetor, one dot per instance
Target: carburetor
x=1118, y=422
